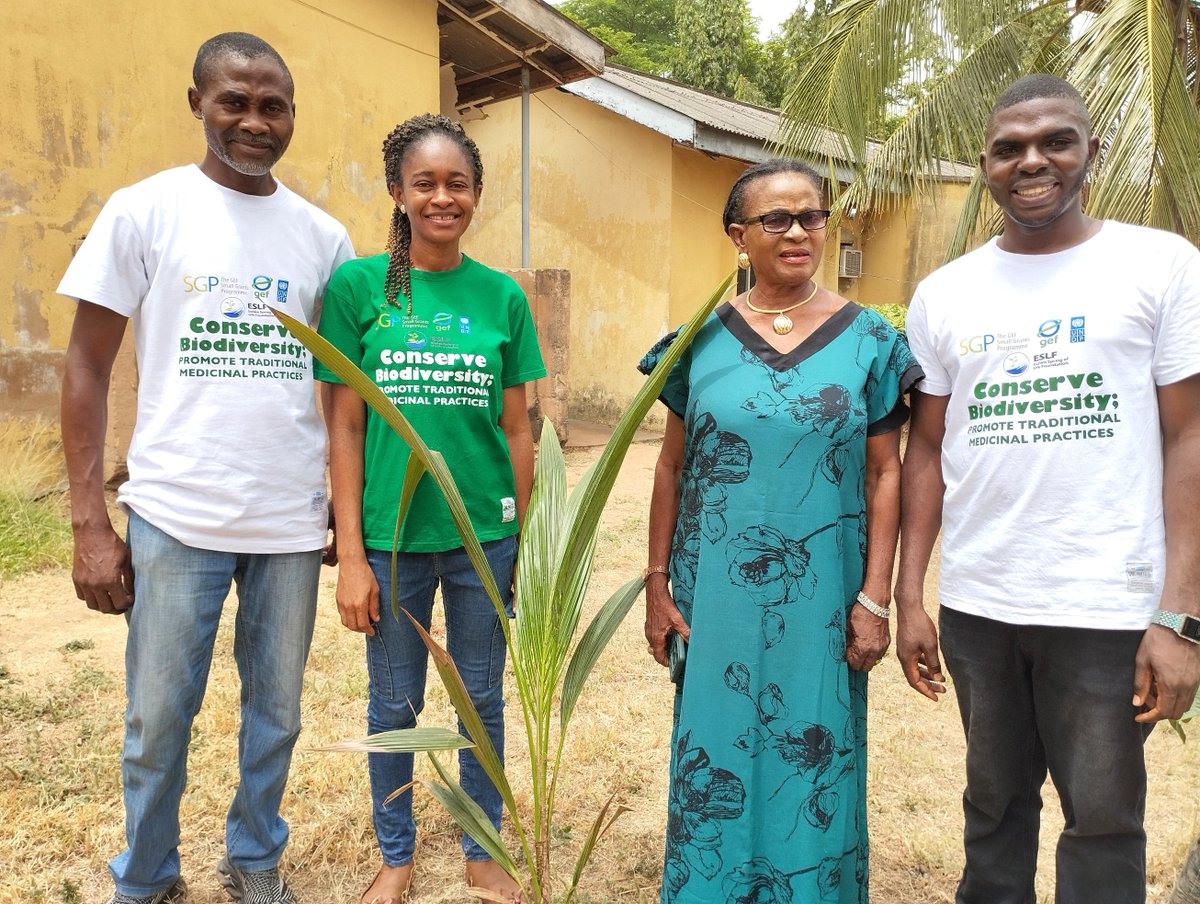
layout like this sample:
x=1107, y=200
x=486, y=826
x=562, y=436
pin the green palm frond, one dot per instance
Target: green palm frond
x=554, y=565
x=1133, y=69
x=1134, y=61
x=600, y=826
x=428, y=459
x=592, y=643
x=471, y=818
x=947, y=125
x=404, y=740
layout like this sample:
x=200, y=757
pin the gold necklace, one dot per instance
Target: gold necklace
x=782, y=324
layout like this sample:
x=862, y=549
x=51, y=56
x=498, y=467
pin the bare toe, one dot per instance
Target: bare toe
x=391, y=885
x=487, y=875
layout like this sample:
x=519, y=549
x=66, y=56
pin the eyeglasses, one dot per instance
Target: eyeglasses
x=778, y=221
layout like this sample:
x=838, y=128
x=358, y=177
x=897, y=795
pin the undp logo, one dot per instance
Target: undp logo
x=261, y=283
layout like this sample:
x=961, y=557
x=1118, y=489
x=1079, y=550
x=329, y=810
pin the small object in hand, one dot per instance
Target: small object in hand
x=676, y=656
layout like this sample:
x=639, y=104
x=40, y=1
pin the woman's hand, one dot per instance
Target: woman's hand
x=358, y=596
x=867, y=638
x=662, y=615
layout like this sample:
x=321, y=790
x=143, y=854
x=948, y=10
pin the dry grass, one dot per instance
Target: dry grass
x=34, y=532
x=60, y=711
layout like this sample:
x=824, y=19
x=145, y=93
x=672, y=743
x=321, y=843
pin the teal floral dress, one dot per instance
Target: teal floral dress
x=768, y=767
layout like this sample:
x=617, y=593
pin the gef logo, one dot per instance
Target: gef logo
x=201, y=283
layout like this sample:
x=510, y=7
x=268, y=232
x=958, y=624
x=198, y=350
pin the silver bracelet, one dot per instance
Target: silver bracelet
x=873, y=607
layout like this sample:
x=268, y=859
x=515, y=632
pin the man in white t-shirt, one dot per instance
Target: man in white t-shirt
x=226, y=465
x=1056, y=441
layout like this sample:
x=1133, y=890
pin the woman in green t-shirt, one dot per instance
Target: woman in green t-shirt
x=452, y=343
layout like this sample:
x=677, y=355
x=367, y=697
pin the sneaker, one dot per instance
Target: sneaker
x=176, y=894
x=263, y=887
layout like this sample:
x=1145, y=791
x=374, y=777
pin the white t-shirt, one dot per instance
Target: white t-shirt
x=1053, y=455
x=228, y=452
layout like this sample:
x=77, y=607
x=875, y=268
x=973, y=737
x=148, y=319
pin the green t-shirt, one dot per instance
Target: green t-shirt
x=446, y=367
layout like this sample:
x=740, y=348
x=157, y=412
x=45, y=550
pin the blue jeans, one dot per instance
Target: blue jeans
x=1037, y=699
x=396, y=667
x=179, y=593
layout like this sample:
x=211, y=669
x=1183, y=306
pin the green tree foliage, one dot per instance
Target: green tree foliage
x=642, y=32
x=714, y=36
x=783, y=54
x=716, y=46
x=1136, y=64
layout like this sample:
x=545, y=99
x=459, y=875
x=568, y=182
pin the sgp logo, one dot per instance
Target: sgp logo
x=201, y=283
x=971, y=344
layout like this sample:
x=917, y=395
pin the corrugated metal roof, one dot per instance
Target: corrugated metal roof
x=734, y=117
x=711, y=109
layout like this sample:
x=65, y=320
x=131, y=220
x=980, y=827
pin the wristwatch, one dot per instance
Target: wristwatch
x=1186, y=626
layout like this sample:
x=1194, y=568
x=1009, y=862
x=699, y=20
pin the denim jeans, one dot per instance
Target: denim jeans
x=1037, y=699
x=396, y=667
x=179, y=593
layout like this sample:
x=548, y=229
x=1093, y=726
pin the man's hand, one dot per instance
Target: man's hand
x=1166, y=675
x=103, y=571
x=662, y=616
x=917, y=650
x=329, y=553
x=867, y=638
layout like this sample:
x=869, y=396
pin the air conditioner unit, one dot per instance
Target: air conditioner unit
x=850, y=263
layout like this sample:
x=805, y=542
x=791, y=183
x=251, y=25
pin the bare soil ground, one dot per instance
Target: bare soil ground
x=61, y=705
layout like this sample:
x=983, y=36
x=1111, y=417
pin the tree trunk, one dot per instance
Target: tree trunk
x=1187, y=890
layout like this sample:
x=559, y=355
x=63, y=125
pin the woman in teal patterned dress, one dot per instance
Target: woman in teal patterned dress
x=774, y=516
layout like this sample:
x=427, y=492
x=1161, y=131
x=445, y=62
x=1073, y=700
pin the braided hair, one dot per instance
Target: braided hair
x=734, y=209
x=396, y=146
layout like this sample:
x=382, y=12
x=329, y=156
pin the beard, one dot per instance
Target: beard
x=219, y=143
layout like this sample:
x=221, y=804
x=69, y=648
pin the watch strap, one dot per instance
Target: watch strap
x=1186, y=626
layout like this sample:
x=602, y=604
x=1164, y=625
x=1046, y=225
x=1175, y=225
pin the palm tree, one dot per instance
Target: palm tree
x=1134, y=61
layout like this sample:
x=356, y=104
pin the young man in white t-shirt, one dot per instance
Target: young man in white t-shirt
x=1056, y=441
x=226, y=465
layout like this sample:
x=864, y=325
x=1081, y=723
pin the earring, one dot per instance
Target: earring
x=743, y=261
x=403, y=210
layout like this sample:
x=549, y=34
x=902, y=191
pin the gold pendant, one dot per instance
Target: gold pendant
x=782, y=324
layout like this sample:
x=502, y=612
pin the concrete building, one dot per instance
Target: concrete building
x=630, y=175
x=94, y=97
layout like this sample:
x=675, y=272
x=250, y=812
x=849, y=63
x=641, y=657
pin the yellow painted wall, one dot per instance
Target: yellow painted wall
x=637, y=221
x=94, y=96
x=601, y=208
x=701, y=253
x=901, y=247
